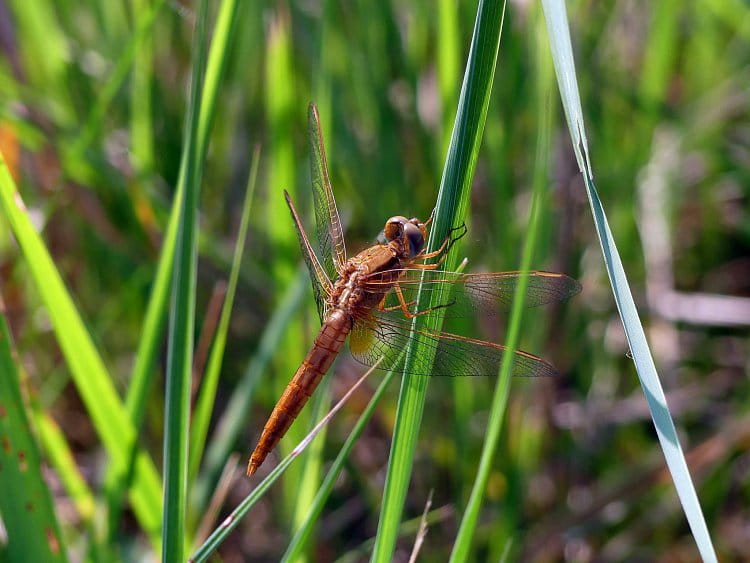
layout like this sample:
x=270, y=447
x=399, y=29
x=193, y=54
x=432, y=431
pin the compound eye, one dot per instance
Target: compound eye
x=415, y=239
x=394, y=227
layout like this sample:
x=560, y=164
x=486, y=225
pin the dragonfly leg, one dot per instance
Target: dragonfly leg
x=404, y=306
x=384, y=309
x=449, y=241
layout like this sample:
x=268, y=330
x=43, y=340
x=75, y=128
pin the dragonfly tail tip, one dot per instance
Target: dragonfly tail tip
x=251, y=468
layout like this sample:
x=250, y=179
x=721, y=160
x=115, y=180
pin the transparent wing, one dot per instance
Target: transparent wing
x=321, y=283
x=328, y=224
x=384, y=334
x=469, y=294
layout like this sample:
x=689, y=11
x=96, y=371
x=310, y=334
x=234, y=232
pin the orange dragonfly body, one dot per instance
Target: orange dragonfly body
x=373, y=300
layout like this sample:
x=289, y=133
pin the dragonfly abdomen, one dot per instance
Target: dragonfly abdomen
x=326, y=347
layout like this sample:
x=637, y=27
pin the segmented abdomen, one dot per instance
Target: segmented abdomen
x=326, y=347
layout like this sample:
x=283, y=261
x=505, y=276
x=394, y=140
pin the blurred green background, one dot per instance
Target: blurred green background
x=92, y=105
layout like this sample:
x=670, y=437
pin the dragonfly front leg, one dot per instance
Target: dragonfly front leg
x=449, y=241
x=404, y=305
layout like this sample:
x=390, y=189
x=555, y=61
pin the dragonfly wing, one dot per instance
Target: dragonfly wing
x=321, y=283
x=469, y=294
x=382, y=334
x=330, y=233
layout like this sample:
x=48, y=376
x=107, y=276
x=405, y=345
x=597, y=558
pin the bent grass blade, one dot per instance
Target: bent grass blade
x=231, y=521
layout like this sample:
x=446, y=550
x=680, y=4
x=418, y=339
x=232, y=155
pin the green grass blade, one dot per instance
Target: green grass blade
x=182, y=317
x=462, y=546
x=220, y=534
x=204, y=404
x=25, y=501
x=154, y=322
x=559, y=35
x=450, y=211
x=281, y=110
x=153, y=325
x=90, y=376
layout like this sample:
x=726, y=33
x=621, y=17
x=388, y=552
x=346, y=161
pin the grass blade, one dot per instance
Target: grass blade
x=220, y=534
x=154, y=321
x=462, y=546
x=559, y=35
x=207, y=396
x=25, y=500
x=450, y=211
x=90, y=376
x=180, y=341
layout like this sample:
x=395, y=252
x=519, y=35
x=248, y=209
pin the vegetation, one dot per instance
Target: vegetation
x=134, y=150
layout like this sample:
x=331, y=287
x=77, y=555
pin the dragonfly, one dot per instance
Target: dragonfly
x=372, y=298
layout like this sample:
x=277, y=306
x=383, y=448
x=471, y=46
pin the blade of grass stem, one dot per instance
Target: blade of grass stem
x=182, y=317
x=33, y=533
x=142, y=376
x=141, y=122
x=407, y=528
x=58, y=451
x=207, y=396
x=462, y=546
x=221, y=533
x=450, y=211
x=562, y=53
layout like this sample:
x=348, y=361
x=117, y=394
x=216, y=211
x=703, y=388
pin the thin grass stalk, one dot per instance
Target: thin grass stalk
x=462, y=546
x=141, y=379
x=231, y=521
x=180, y=342
x=207, y=395
x=562, y=54
x=450, y=211
x=141, y=106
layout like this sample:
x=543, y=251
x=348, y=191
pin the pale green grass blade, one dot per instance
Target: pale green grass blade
x=450, y=211
x=45, y=51
x=231, y=522
x=90, y=376
x=25, y=501
x=562, y=54
x=207, y=396
x=182, y=316
x=462, y=546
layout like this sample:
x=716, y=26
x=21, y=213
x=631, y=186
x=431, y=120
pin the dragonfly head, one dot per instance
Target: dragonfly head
x=410, y=233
